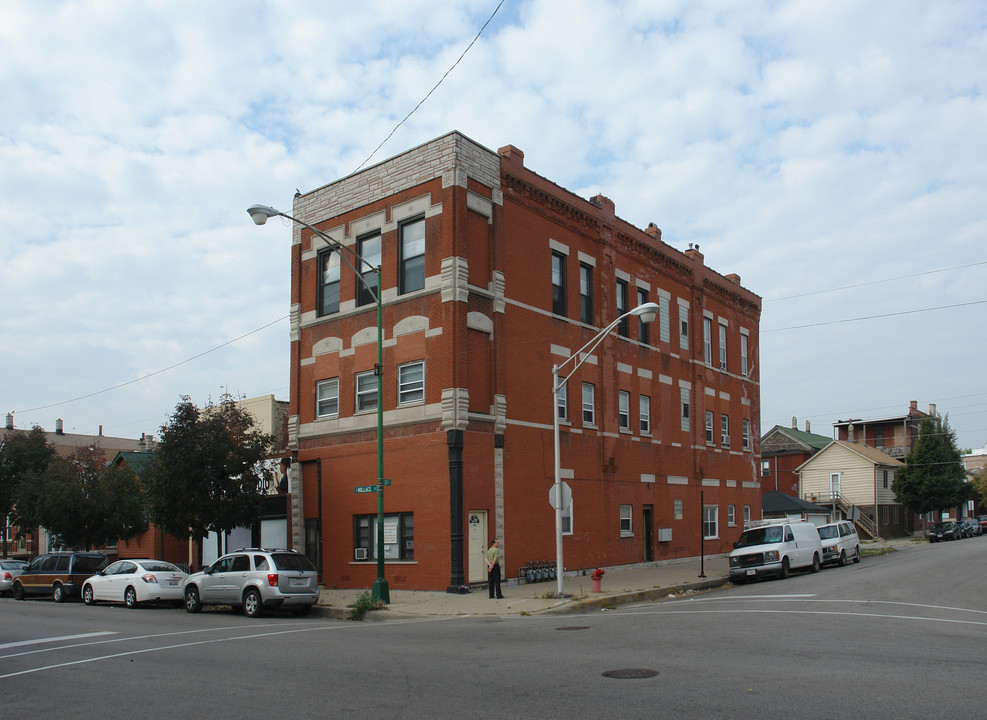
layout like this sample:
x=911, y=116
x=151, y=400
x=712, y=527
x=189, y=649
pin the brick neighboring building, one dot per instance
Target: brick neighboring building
x=782, y=451
x=492, y=274
x=893, y=436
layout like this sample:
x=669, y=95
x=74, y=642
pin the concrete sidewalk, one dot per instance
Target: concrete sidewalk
x=619, y=586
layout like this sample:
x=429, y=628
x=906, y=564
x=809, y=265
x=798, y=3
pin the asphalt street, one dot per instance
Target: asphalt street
x=898, y=636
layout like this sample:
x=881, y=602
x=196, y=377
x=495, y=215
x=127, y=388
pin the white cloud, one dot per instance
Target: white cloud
x=804, y=145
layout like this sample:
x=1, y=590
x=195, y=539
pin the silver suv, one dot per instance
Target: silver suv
x=255, y=579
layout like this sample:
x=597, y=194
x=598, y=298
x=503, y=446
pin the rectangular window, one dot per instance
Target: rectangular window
x=567, y=519
x=677, y=513
x=711, y=530
x=747, y=434
x=684, y=397
x=589, y=404
x=399, y=537
x=327, y=398
x=743, y=355
x=707, y=341
x=723, y=346
x=366, y=391
x=586, y=294
x=624, y=409
x=412, y=256
x=884, y=515
x=765, y=468
x=642, y=327
x=747, y=514
x=709, y=427
x=663, y=320
x=622, y=307
x=879, y=437
x=368, y=249
x=897, y=517
x=625, y=521
x=562, y=399
x=411, y=382
x=886, y=480
x=731, y=515
x=558, y=283
x=725, y=430
x=644, y=410
x=683, y=327
x=328, y=282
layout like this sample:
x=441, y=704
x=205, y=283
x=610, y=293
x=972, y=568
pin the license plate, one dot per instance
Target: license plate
x=298, y=582
x=173, y=581
x=752, y=572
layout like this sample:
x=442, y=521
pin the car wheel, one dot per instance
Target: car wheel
x=192, y=602
x=252, y=606
x=786, y=569
x=816, y=565
x=856, y=554
x=17, y=591
x=130, y=598
x=87, y=595
x=842, y=561
x=58, y=593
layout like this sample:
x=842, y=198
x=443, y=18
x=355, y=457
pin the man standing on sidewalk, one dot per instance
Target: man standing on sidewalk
x=493, y=570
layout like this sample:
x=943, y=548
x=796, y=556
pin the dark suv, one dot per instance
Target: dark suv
x=59, y=574
x=255, y=579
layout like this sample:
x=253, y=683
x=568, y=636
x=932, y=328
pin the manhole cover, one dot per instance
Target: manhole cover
x=574, y=627
x=630, y=674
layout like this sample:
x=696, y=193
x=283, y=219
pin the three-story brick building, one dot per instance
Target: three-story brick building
x=490, y=275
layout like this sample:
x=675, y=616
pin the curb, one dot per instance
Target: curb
x=658, y=593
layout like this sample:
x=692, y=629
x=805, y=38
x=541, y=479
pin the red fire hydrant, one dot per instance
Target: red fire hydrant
x=598, y=579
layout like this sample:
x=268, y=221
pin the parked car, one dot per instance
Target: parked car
x=255, y=579
x=775, y=548
x=9, y=569
x=59, y=574
x=982, y=521
x=133, y=582
x=839, y=542
x=965, y=529
x=947, y=530
x=972, y=527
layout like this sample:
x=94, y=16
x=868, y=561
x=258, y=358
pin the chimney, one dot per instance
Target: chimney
x=101, y=431
x=654, y=231
x=807, y=426
x=510, y=152
x=932, y=409
x=734, y=278
x=10, y=421
x=693, y=253
x=849, y=431
x=913, y=405
x=604, y=203
x=795, y=423
x=58, y=427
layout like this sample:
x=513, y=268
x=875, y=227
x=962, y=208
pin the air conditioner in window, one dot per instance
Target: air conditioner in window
x=726, y=439
x=360, y=553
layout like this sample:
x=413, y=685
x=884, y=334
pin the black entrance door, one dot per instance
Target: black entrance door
x=649, y=534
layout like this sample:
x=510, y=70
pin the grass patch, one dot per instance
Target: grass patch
x=364, y=604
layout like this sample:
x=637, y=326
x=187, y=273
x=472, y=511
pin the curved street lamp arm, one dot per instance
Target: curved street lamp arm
x=260, y=213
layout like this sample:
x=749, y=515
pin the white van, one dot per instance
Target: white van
x=840, y=542
x=775, y=548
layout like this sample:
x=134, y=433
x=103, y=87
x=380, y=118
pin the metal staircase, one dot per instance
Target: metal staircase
x=849, y=511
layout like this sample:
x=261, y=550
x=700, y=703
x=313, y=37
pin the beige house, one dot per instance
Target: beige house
x=855, y=480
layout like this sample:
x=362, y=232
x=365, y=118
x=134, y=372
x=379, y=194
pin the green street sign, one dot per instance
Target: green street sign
x=365, y=489
x=385, y=482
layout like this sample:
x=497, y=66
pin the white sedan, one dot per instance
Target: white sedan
x=133, y=582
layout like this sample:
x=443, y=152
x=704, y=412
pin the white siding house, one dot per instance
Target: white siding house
x=856, y=481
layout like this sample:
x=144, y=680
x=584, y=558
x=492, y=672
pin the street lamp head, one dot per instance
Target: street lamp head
x=646, y=312
x=260, y=213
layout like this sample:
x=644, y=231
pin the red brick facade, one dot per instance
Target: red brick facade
x=479, y=444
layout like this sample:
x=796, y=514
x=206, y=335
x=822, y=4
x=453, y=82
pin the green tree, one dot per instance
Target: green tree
x=979, y=485
x=24, y=458
x=83, y=501
x=206, y=471
x=933, y=476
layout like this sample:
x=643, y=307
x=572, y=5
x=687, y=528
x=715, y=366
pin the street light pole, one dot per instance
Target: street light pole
x=646, y=313
x=260, y=215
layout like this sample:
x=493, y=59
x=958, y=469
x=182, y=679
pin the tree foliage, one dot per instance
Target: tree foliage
x=24, y=458
x=206, y=470
x=82, y=501
x=979, y=484
x=933, y=476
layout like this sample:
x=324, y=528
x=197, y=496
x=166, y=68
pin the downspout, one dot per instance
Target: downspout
x=318, y=523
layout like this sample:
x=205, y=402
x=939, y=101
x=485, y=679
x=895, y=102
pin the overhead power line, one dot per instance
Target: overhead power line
x=874, y=317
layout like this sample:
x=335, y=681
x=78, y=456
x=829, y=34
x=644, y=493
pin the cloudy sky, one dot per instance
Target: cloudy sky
x=834, y=154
